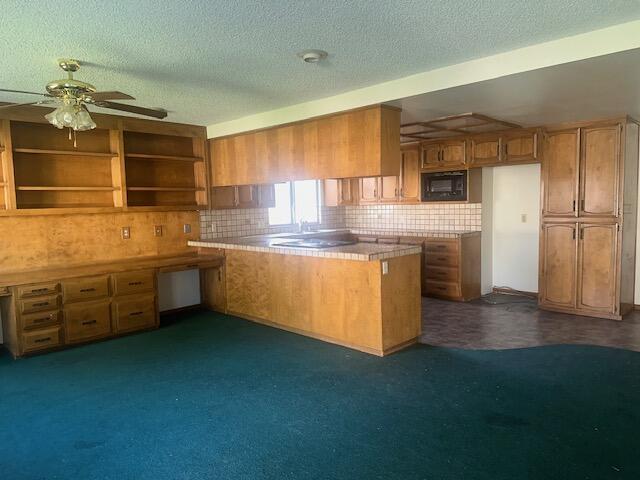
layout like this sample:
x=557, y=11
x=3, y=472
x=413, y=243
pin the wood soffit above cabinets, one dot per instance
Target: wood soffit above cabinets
x=452, y=126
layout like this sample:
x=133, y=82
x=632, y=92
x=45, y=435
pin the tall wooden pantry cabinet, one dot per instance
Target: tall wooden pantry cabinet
x=589, y=205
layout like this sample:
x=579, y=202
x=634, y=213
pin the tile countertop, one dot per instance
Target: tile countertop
x=418, y=233
x=269, y=244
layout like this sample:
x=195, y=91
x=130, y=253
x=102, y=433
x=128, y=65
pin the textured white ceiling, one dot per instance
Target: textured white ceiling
x=211, y=61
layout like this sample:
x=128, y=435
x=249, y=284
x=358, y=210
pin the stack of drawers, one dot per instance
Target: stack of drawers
x=84, y=309
x=452, y=268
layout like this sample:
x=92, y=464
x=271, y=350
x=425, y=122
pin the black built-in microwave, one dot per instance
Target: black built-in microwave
x=444, y=186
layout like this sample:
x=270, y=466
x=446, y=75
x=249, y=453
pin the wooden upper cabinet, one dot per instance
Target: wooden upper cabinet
x=388, y=189
x=363, y=142
x=600, y=171
x=560, y=173
x=348, y=191
x=247, y=196
x=430, y=155
x=223, y=197
x=558, y=265
x=368, y=190
x=453, y=153
x=410, y=175
x=485, y=151
x=520, y=146
x=266, y=195
x=597, y=267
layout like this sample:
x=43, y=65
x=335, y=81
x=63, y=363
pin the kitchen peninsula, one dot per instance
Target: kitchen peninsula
x=361, y=295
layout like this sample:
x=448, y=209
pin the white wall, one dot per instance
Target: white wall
x=178, y=289
x=514, y=243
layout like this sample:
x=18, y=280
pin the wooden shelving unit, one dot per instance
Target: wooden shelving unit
x=124, y=164
x=164, y=170
x=50, y=175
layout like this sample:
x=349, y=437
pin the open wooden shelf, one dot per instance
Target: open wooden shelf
x=39, y=188
x=65, y=152
x=160, y=158
x=165, y=189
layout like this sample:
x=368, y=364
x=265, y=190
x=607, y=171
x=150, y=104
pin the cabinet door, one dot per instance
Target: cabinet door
x=223, y=197
x=389, y=189
x=560, y=174
x=266, y=195
x=431, y=155
x=247, y=196
x=485, y=151
x=410, y=176
x=369, y=190
x=213, y=287
x=348, y=191
x=520, y=147
x=599, y=171
x=558, y=265
x=454, y=153
x=597, y=249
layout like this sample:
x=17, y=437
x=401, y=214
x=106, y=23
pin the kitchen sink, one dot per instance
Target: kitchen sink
x=315, y=243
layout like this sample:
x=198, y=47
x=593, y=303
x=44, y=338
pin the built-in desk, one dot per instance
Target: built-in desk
x=46, y=309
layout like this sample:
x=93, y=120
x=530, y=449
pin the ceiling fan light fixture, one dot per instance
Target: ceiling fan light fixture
x=71, y=115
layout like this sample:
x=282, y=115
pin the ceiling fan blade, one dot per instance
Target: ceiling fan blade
x=102, y=96
x=149, y=112
x=22, y=91
x=41, y=102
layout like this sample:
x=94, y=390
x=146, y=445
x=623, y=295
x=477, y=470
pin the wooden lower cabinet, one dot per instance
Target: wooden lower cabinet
x=87, y=321
x=452, y=267
x=134, y=312
x=580, y=268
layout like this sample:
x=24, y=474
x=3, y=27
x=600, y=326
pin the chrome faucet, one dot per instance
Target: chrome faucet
x=303, y=226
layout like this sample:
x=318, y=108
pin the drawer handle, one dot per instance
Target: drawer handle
x=40, y=290
x=42, y=340
x=442, y=259
x=89, y=322
x=133, y=314
x=41, y=304
x=42, y=319
x=441, y=288
x=441, y=246
x=86, y=290
x=131, y=284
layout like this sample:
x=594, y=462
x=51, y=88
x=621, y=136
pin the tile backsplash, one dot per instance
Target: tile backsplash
x=255, y=221
x=427, y=216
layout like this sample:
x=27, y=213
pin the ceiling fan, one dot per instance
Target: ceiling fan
x=72, y=97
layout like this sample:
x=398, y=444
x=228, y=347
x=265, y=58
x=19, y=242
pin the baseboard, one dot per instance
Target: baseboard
x=512, y=291
x=188, y=308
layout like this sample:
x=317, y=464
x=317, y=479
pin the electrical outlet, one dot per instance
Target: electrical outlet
x=523, y=218
x=385, y=267
x=186, y=228
x=157, y=230
x=126, y=233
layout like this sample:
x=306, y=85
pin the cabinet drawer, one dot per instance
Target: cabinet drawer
x=135, y=313
x=442, y=289
x=41, y=339
x=441, y=259
x=133, y=282
x=39, y=304
x=38, y=290
x=442, y=274
x=85, y=289
x=441, y=247
x=85, y=321
x=37, y=320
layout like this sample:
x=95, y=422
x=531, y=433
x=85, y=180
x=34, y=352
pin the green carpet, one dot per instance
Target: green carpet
x=218, y=397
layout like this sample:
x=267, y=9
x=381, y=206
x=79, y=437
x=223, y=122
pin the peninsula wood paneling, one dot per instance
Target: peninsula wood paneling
x=344, y=301
x=53, y=240
x=363, y=142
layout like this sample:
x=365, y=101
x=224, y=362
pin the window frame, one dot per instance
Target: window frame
x=292, y=204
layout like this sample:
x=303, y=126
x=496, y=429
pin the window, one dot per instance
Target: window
x=296, y=202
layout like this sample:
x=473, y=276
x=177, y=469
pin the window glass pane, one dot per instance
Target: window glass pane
x=281, y=213
x=305, y=201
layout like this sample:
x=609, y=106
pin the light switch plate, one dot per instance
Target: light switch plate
x=157, y=230
x=523, y=218
x=385, y=267
x=126, y=233
x=186, y=228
